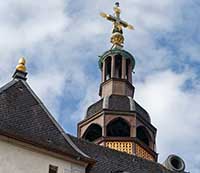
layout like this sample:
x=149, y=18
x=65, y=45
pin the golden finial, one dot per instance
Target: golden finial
x=21, y=65
x=117, y=32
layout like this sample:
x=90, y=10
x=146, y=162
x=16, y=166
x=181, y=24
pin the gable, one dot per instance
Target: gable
x=24, y=117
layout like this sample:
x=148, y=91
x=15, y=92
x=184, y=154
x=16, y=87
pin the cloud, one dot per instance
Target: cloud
x=26, y=23
x=61, y=41
x=174, y=112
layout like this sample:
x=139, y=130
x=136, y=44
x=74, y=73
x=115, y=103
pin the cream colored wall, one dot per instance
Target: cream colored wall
x=18, y=159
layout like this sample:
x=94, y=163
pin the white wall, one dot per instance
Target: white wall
x=18, y=159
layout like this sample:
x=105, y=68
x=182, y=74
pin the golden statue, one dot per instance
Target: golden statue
x=117, y=32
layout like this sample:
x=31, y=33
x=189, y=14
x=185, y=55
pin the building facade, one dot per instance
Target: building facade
x=20, y=157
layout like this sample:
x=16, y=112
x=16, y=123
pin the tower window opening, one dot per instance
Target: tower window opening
x=118, y=66
x=118, y=128
x=93, y=132
x=142, y=134
x=128, y=63
x=108, y=68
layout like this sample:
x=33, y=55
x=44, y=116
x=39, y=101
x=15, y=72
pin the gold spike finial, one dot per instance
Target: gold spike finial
x=21, y=65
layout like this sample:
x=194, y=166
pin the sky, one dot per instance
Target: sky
x=61, y=41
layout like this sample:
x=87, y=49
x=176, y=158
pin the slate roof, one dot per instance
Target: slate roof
x=112, y=161
x=117, y=103
x=24, y=117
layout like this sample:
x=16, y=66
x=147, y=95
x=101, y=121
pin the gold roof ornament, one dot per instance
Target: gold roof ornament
x=21, y=65
x=117, y=38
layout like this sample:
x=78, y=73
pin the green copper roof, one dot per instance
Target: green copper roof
x=117, y=51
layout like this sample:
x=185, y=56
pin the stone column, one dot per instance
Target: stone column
x=130, y=73
x=104, y=71
x=113, y=67
x=133, y=131
x=123, y=68
x=103, y=130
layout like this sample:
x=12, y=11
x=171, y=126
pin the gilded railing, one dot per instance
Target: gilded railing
x=121, y=146
x=130, y=148
x=141, y=152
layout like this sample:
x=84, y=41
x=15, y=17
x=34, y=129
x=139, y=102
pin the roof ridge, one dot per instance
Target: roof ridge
x=8, y=85
x=61, y=130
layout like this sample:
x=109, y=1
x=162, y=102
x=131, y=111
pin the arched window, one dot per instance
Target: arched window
x=108, y=67
x=118, y=66
x=118, y=128
x=143, y=135
x=93, y=132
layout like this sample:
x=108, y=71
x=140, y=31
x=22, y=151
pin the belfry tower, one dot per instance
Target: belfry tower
x=117, y=121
